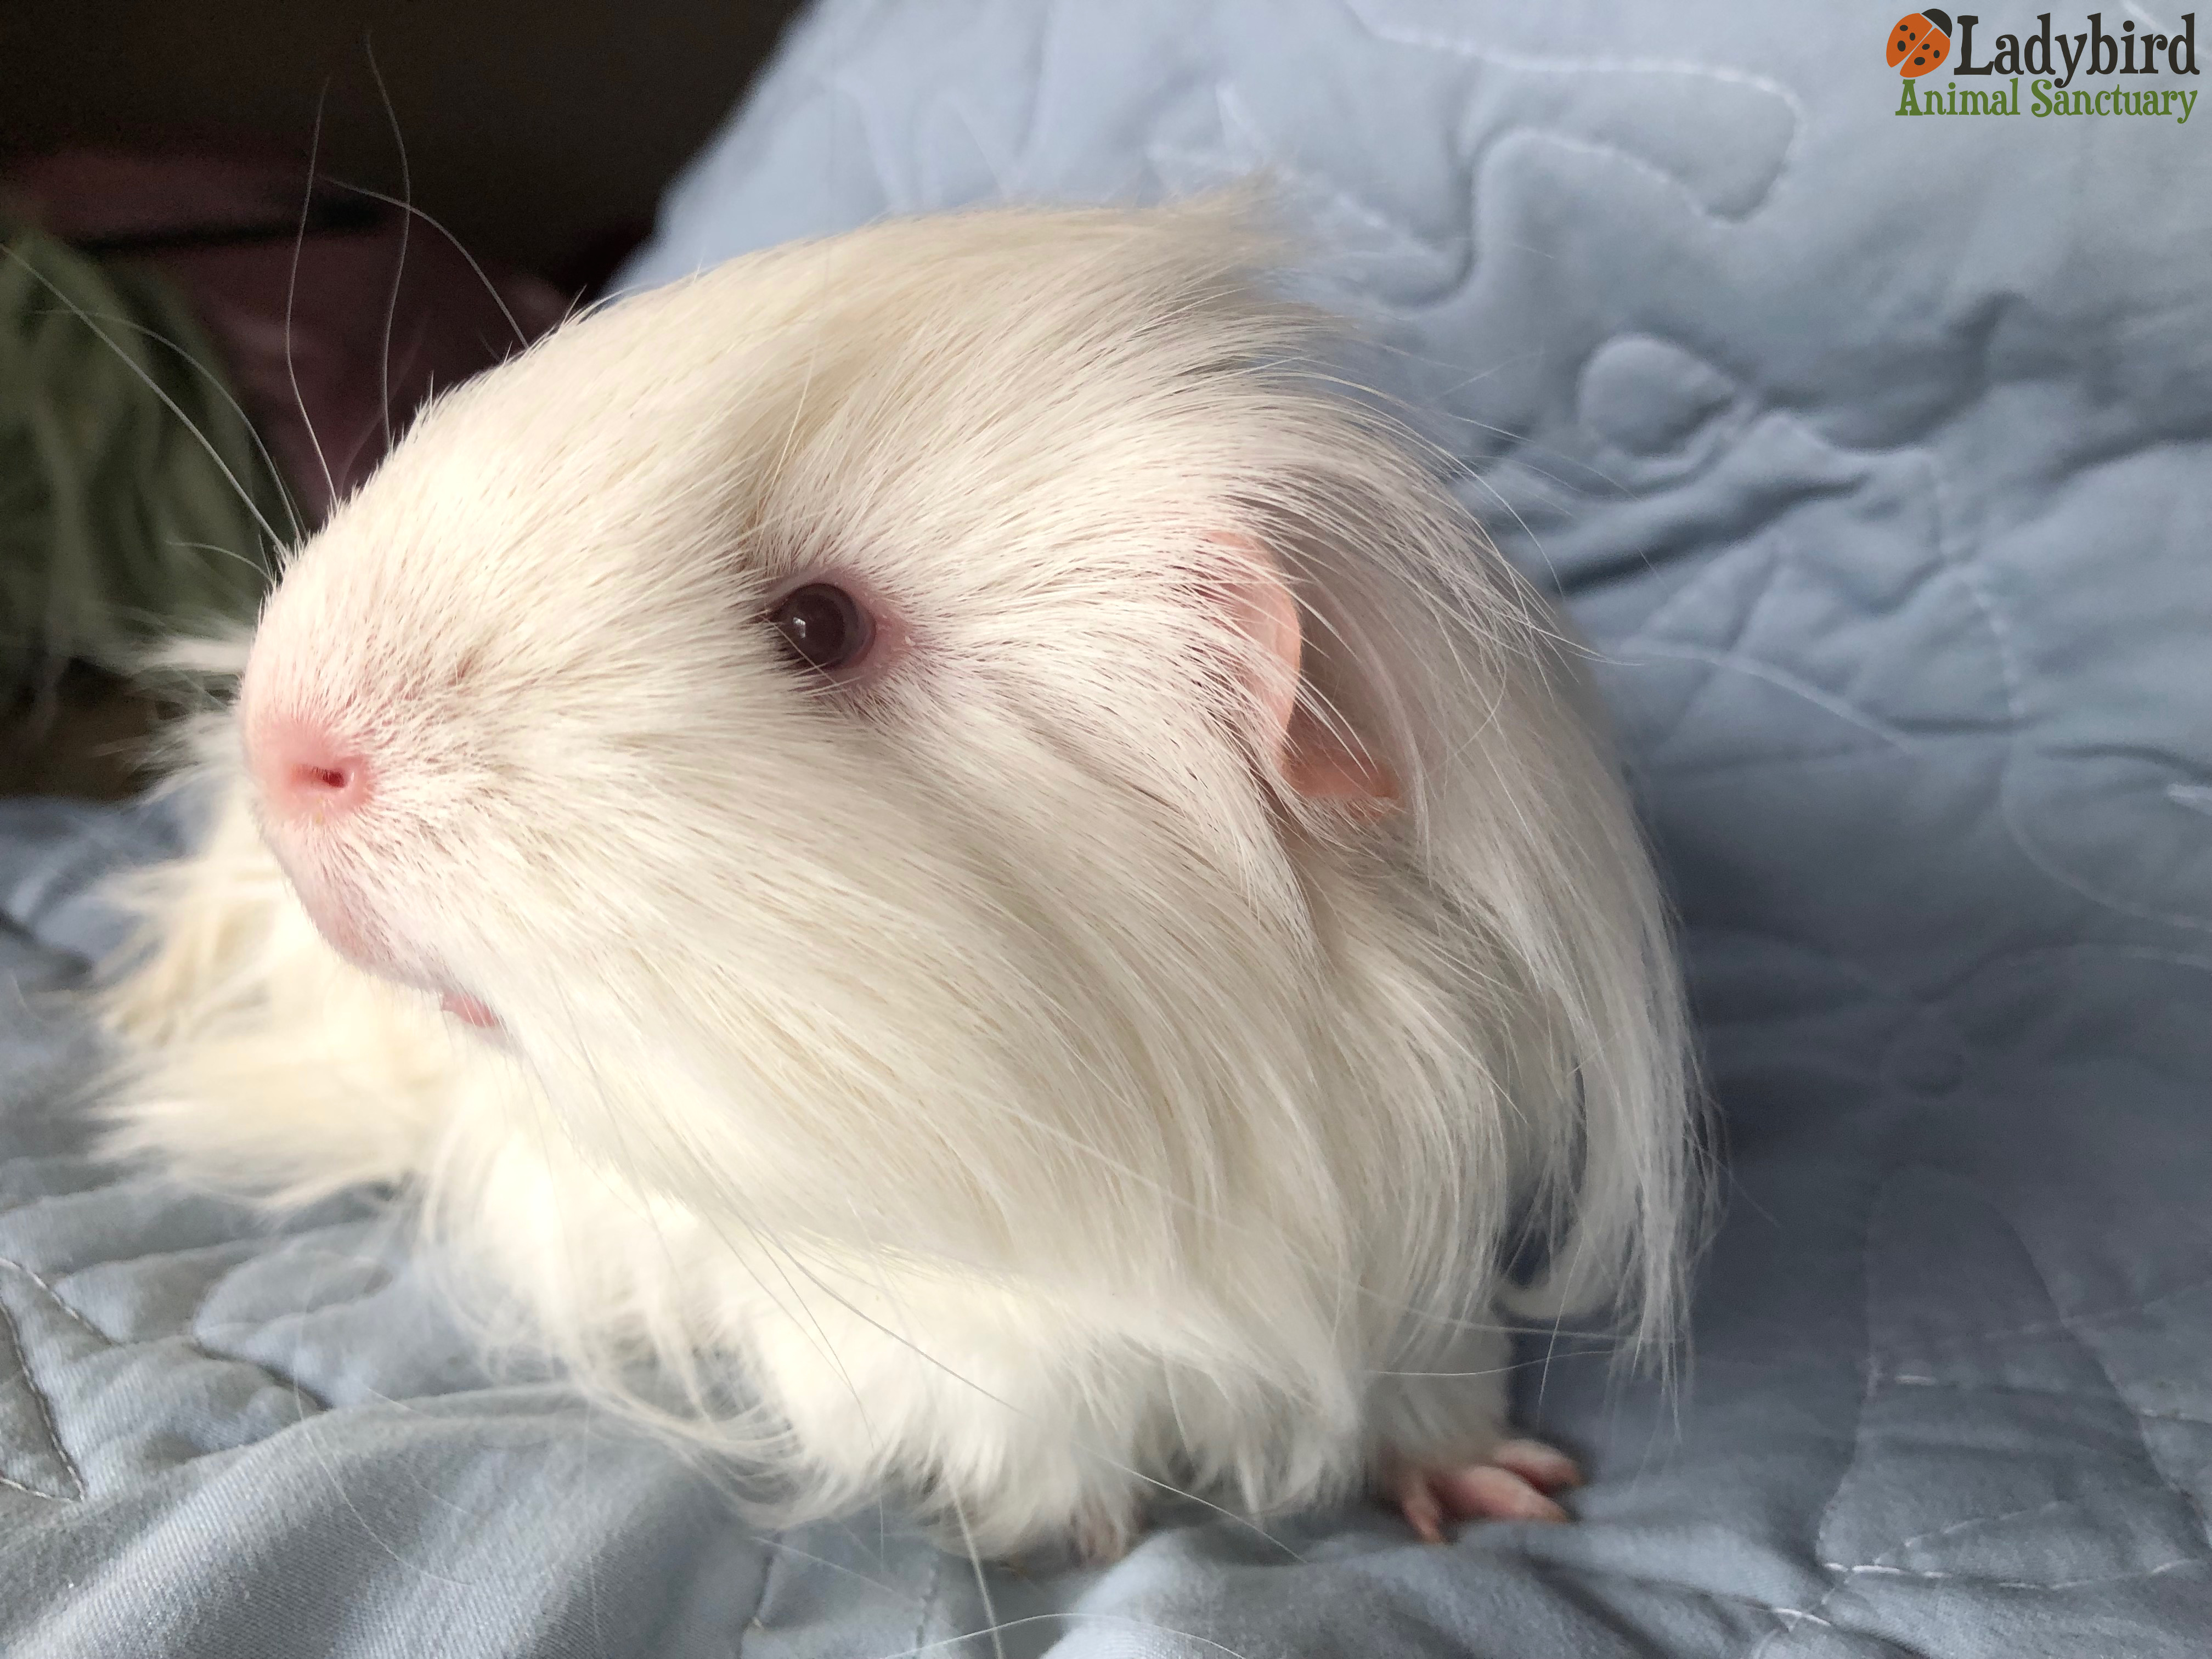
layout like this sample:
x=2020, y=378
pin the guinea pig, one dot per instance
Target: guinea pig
x=963, y=879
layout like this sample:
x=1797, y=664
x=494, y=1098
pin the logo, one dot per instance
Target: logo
x=1920, y=42
x=2067, y=74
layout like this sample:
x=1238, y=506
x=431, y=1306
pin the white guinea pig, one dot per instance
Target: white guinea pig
x=961, y=879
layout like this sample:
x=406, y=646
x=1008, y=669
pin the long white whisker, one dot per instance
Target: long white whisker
x=154, y=386
x=406, y=225
x=214, y=384
x=1074, y=1615
x=522, y=336
x=292, y=291
x=982, y=1582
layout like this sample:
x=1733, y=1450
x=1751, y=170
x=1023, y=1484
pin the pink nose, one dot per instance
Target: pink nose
x=306, y=772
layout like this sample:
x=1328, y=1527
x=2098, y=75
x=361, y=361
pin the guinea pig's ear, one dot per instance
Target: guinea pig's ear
x=1316, y=757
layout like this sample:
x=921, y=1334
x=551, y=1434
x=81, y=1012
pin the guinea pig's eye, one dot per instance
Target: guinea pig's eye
x=821, y=627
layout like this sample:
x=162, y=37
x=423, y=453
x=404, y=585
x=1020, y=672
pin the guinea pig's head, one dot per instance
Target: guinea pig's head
x=854, y=713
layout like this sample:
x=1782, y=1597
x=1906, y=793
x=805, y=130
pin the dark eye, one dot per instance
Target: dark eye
x=821, y=627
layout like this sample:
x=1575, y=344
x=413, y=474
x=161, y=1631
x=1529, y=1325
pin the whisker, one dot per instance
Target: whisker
x=406, y=225
x=154, y=386
x=982, y=1581
x=211, y=547
x=214, y=384
x=292, y=290
x=881, y=1587
x=521, y=338
x=1071, y=1615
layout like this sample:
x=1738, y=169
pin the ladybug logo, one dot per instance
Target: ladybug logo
x=1919, y=41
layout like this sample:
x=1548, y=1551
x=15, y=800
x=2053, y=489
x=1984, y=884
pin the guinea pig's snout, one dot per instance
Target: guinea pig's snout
x=306, y=771
x=313, y=782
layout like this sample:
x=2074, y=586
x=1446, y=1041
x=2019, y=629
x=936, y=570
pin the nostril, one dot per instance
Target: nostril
x=305, y=770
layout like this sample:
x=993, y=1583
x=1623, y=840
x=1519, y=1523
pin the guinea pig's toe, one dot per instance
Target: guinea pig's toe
x=1419, y=1502
x=1514, y=1483
x=1545, y=1468
x=1102, y=1536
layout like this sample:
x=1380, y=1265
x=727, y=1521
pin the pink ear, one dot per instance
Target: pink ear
x=1317, y=762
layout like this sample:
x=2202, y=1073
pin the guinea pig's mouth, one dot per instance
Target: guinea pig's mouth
x=353, y=929
x=483, y=1024
x=346, y=926
x=469, y=1009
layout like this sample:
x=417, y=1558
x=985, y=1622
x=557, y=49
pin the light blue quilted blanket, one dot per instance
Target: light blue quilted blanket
x=1877, y=454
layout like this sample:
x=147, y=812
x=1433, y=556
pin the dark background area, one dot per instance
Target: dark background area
x=541, y=135
x=538, y=133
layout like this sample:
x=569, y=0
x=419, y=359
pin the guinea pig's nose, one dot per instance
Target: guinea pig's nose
x=305, y=771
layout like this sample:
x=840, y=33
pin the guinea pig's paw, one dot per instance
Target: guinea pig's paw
x=1514, y=1483
x=1103, y=1533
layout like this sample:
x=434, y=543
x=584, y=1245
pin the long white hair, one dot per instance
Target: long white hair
x=1118, y=1045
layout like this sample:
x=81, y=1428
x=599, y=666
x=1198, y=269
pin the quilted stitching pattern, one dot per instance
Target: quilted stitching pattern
x=1886, y=509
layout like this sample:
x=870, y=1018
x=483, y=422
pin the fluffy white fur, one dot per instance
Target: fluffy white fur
x=998, y=1071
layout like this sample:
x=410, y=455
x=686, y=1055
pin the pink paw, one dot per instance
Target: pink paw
x=1512, y=1484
